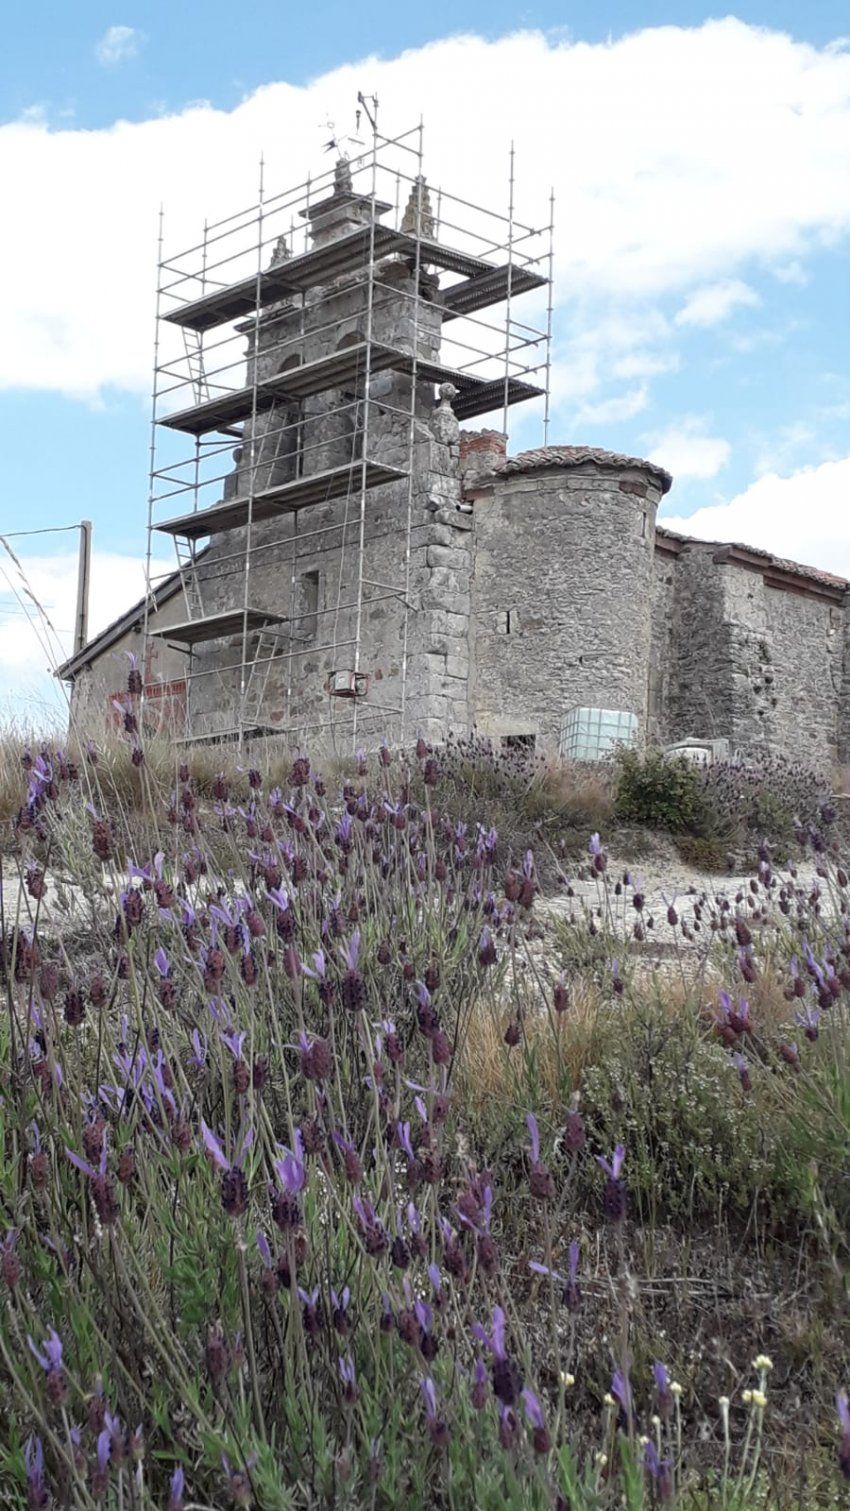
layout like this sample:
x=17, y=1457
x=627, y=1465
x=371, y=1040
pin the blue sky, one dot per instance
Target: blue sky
x=713, y=338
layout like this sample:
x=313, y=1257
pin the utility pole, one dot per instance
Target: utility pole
x=81, y=621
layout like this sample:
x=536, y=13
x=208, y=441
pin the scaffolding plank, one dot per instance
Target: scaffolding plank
x=218, y=626
x=484, y=398
x=343, y=369
x=484, y=289
x=221, y=412
x=321, y=265
x=231, y=732
x=286, y=498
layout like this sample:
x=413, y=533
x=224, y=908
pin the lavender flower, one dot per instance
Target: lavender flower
x=621, y=1390
x=102, y=1186
x=436, y=1426
x=541, y=1184
x=49, y=1356
x=506, y=1377
x=311, y=1310
x=662, y=1388
x=353, y=987
x=486, y=947
x=534, y=1412
x=660, y=1473
x=743, y=1070
x=570, y=1282
x=843, y=1408
x=176, y=1490
x=373, y=1232
x=10, y=1264
x=292, y=1177
x=37, y=1493
x=200, y=1045
x=479, y=1385
x=614, y=1196
x=809, y=1019
x=340, y=1303
x=234, y=1186
x=349, y=1380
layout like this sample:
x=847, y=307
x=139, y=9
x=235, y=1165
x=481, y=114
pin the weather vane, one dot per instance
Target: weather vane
x=340, y=142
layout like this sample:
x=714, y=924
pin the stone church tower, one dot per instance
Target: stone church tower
x=356, y=597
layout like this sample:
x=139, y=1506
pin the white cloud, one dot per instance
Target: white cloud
x=667, y=193
x=791, y=272
x=788, y=448
x=117, y=45
x=801, y=517
x=619, y=407
x=31, y=648
x=715, y=302
x=645, y=365
x=686, y=450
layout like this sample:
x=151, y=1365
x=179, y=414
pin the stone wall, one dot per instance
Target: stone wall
x=561, y=595
x=661, y=651
x=748, y=651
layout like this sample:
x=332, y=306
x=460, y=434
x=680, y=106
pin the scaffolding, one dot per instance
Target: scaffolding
x=309, y=332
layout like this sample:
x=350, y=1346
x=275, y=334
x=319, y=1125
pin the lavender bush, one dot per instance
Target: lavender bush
x=320, y=1188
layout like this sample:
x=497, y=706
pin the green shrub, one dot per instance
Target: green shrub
x=669, y=1093
x=663, y=792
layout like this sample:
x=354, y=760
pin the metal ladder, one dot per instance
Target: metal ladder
x=185, y=549
x=194, y=347
x=187, y=567
x=258, y=677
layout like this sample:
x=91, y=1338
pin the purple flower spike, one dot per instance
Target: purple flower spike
x=37, y=1493
x=235, y=1042
x=176, y=1489
x=403, y=1136
x=213, y=1147
x=659, y=1471
x=621, y=1390
x=49, y=1355
x=351, y=952
x=429, y=1396
x=199, y=1045
x=533, y=1409
x=494, y=1340
x=265, y=1251
x=290, y=1171
x=613, y=1169
x=842, y=1406
x=161, y=962
x=104, y=1447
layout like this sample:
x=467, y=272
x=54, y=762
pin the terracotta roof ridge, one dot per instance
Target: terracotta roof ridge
x=576, y=456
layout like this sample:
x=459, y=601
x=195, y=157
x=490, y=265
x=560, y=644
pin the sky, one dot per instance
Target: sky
x=700, y=162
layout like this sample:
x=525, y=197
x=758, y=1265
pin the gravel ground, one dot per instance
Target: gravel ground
x=662, y=878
